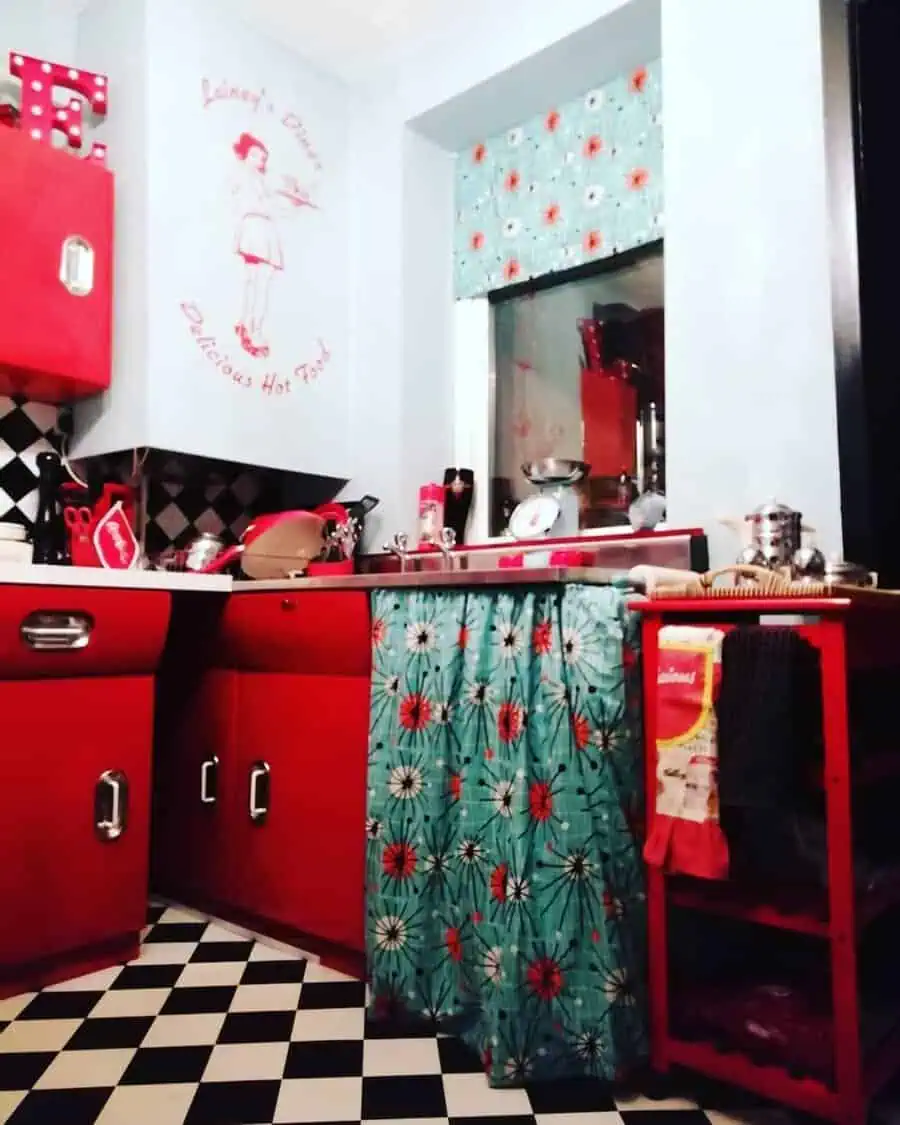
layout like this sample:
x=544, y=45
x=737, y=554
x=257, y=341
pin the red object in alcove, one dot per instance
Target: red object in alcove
x=609, y=417
x=56, y=229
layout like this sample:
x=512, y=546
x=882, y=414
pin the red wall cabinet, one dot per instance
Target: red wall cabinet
x=56, y=229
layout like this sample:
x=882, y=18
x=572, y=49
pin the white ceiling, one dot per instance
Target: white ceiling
x=349, y=38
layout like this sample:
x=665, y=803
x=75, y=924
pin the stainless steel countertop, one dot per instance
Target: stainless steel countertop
x=435, y=579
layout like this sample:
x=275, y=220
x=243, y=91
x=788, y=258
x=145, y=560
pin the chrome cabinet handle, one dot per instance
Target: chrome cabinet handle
x=209, y=777
x=48, y=631
x=260, y=779
x=76, y=265
x=111, y=805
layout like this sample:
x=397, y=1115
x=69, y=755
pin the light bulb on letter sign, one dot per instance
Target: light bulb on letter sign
x=40, y=117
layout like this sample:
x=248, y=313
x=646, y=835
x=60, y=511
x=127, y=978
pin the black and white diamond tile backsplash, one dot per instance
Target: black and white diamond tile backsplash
x=182, y=500
x=26, y=429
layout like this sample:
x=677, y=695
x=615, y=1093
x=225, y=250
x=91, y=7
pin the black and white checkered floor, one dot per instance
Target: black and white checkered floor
x=214, y=1027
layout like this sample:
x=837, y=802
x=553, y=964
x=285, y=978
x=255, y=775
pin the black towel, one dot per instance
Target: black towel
x=769, y=717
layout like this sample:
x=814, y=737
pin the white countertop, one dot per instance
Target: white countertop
x=12, y=574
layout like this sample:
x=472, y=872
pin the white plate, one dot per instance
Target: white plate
x=534, y=517
x=13, y=532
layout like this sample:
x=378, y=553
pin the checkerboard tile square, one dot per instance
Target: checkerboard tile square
x=182, y=1001
x=234, y=1102
x=67, y=1107
x=210, y=974
x=246, y=1062
x=19, y=1070
x=148, y=1105
x=337, y=1059
x=318, y=1100
x=581, y=1095
x=37, y=1035
x=417, y=1096
x=266, y=998
x=209, y=951
x=196, y=1029
x=131, y=1002
x=61, y=1006
x=385, y=1057
x=257, y=1027
x=13, y=1006
x=107, y=1034
x=166, y=1064
x=145, y=976
x=457, y=1058
x=343, y=994
x=328, y=1023
x=274, y=972
x=468, y=1095
x=72, y=1070
x=177, y=931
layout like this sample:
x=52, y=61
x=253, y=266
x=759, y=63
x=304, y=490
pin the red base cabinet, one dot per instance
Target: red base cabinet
x=280, y=843
x=75, y=761
x=56, y=229
x=302, y=749
x=194, y=763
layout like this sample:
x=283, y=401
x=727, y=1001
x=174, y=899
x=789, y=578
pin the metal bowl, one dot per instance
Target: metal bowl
x=555, y=470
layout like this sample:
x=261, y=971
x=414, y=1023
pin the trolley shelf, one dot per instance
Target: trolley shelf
x=798, y=910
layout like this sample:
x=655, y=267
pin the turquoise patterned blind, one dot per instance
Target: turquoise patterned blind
x=579, y=182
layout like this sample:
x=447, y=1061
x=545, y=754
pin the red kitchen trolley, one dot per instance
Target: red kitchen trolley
x=854, y=637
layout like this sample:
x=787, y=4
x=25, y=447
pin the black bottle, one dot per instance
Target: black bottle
x=49, y=531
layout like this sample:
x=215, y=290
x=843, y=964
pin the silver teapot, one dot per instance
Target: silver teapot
x=775, y=532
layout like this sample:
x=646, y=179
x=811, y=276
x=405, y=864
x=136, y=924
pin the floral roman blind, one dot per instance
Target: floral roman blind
x=581, y=181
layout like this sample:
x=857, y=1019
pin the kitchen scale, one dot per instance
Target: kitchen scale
x=553, y=511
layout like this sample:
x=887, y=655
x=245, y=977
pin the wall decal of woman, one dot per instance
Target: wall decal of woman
x=257, y=237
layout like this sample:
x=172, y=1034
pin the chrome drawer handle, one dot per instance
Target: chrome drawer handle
x=209, y=771
x=111, y=790
x=76, y=266
x=259, y=792
x=48, y=631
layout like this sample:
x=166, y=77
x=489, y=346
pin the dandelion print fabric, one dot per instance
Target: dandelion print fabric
x=505, y=891
x=577, y=183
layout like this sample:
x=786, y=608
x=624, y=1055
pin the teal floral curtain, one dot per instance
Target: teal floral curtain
x=505, y=889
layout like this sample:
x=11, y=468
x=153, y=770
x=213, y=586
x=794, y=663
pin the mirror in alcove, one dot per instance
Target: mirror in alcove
x=580, y=374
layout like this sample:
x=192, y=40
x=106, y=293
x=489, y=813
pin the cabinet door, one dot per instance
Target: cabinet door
x=306, y=853
x=193, y=761
x=75, y=773
x=56, y=213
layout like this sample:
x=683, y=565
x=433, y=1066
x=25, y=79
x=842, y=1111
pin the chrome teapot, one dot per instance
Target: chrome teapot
x=775, y=532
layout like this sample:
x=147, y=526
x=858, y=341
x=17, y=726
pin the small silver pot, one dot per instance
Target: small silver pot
x=202, y=551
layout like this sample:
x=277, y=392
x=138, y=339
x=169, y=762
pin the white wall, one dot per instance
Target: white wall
x=749, y=349
x=43, y=28
x=112, y=39
x=749, y=366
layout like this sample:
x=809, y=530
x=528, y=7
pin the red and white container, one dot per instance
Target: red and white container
x=431, y=514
